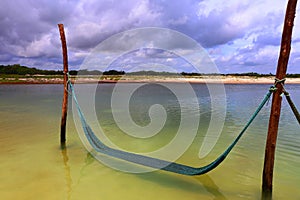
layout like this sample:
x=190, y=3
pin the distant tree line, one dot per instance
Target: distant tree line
x=95, y=72
x=153, y=73
x=250, y=74
x=22, y=70
x=17, y=69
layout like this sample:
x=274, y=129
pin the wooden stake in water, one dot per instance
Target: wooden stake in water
x=65, y=98
x=276, y=101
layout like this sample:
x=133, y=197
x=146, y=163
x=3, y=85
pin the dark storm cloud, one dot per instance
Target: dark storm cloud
x=27, y=27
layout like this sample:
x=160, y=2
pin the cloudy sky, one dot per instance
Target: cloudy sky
x=239, y=36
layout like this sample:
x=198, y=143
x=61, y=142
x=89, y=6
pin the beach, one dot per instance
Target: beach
x=39, y=79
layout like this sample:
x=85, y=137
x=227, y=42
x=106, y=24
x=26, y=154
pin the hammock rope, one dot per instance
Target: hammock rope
x=288, y=98
x=155, y=162
x=292, y=105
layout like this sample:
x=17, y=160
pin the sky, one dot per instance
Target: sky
x=238, y=36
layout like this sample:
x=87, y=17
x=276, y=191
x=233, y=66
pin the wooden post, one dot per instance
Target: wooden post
x=276, y=101
x=65, y=98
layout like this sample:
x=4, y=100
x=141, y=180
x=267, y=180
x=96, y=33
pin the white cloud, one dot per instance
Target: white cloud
x=40, y=47
x=243, y=35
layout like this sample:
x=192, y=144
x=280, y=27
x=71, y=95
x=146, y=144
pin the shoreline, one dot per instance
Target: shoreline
x=152, y=79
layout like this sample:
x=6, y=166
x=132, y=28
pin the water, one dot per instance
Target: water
x=33, y=166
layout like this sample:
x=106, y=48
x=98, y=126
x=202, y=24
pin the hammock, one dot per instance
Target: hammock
x=288, y=98
x=292, y=105
x=154, y=162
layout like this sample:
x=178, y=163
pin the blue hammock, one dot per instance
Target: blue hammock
x=154, y=162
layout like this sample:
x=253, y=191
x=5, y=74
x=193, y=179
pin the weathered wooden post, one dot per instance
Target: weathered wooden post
x=276, y=101
x=65, y=98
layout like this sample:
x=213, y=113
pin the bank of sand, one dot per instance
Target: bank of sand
x=209, y=80
x=148, y=79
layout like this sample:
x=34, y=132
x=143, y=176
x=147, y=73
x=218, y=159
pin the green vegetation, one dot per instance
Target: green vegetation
x=113, y=72
x=152, y=73
x=85, y=72
x=17, y=71
x=293, y=75
x=252, y=74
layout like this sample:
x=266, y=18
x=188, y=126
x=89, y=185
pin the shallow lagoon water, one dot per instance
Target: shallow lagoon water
x=33, y=166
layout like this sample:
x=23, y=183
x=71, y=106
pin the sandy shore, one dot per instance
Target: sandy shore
x=213, y=79
x=147, y=79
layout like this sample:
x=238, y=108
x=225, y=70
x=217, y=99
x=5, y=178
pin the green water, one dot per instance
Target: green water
x=33, y=166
